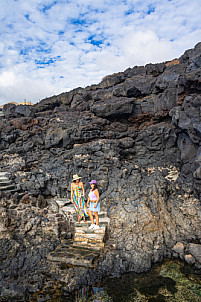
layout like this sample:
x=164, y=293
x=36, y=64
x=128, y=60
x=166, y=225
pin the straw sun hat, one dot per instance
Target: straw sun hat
x=76, y=177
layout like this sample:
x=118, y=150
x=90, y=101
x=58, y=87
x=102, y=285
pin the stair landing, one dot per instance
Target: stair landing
x=66, y=253
x=5, y=184
x=85, y=247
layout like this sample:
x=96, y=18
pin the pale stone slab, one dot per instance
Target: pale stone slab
x=68, y=209
x=95, y=238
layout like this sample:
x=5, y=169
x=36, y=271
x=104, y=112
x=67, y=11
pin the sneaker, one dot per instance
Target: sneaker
x=92, y=226
x=96, y=227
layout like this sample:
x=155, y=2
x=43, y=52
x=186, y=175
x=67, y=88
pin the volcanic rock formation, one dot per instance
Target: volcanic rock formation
x=138, y=133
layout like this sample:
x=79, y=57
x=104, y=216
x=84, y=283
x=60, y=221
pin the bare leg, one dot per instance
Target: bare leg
x=97, y=218
x=91, y=217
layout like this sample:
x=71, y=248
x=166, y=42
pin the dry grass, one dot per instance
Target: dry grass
x=173, y=62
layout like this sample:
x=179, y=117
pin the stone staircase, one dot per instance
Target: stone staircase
x=85, y=247
x=1, y=113
x=5, y=184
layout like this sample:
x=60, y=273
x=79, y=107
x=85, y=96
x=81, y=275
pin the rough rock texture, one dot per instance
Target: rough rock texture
x=29, y=230
x=190, y=252
x=138, y=134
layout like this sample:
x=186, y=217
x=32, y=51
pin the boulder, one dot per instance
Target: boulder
x=53, y=137
x=179, y=248
x=111, y=80
x=24, y=110
x=155, y=69
x=113, y=107
x=9, y=109
x=139, y=86
x=195, y=251
x=189, y=259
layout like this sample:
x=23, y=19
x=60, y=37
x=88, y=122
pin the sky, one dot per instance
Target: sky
x=52, y=46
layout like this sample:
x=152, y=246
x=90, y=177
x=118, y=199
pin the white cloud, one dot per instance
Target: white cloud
x=48, y=47
x=7, y=79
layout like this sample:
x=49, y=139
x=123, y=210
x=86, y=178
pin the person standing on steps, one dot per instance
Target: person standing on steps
x=94, y=207
x=77, y=198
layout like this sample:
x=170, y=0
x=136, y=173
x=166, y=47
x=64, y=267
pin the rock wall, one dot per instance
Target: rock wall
x=29, y=229
x=138, y=134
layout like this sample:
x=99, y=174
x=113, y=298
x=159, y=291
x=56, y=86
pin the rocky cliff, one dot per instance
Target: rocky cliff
x=138, y=133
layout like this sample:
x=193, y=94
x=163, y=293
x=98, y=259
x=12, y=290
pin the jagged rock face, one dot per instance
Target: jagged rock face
x=138, y=134
x=29, y=230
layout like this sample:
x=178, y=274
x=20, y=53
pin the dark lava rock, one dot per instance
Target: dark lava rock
x=113, y=107
x=195, y=251
x=23, y=110
x=9, y=109
x=138, y=134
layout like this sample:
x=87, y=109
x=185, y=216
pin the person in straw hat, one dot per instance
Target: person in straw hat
x=77, y=197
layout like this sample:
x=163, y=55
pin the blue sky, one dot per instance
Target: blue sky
x=51, y=46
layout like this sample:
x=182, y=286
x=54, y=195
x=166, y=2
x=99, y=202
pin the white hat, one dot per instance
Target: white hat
x=76, y=177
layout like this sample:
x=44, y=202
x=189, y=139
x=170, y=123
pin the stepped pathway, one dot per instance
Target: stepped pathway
x=84, y=249
x=5, y=184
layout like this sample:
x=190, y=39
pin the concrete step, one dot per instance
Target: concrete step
x=7, y=188
x=5, y=182
x=91, y=238
x=86, y=230
x=73, y=256
x=102, y=222
x=101, y=215
x=63, y=201
x=89, y=245
x=74, y=216
x=68, y=209
x=3, y=178
x=87, y=220
x=3, y=173
x=11, y=191
x=88, y=224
